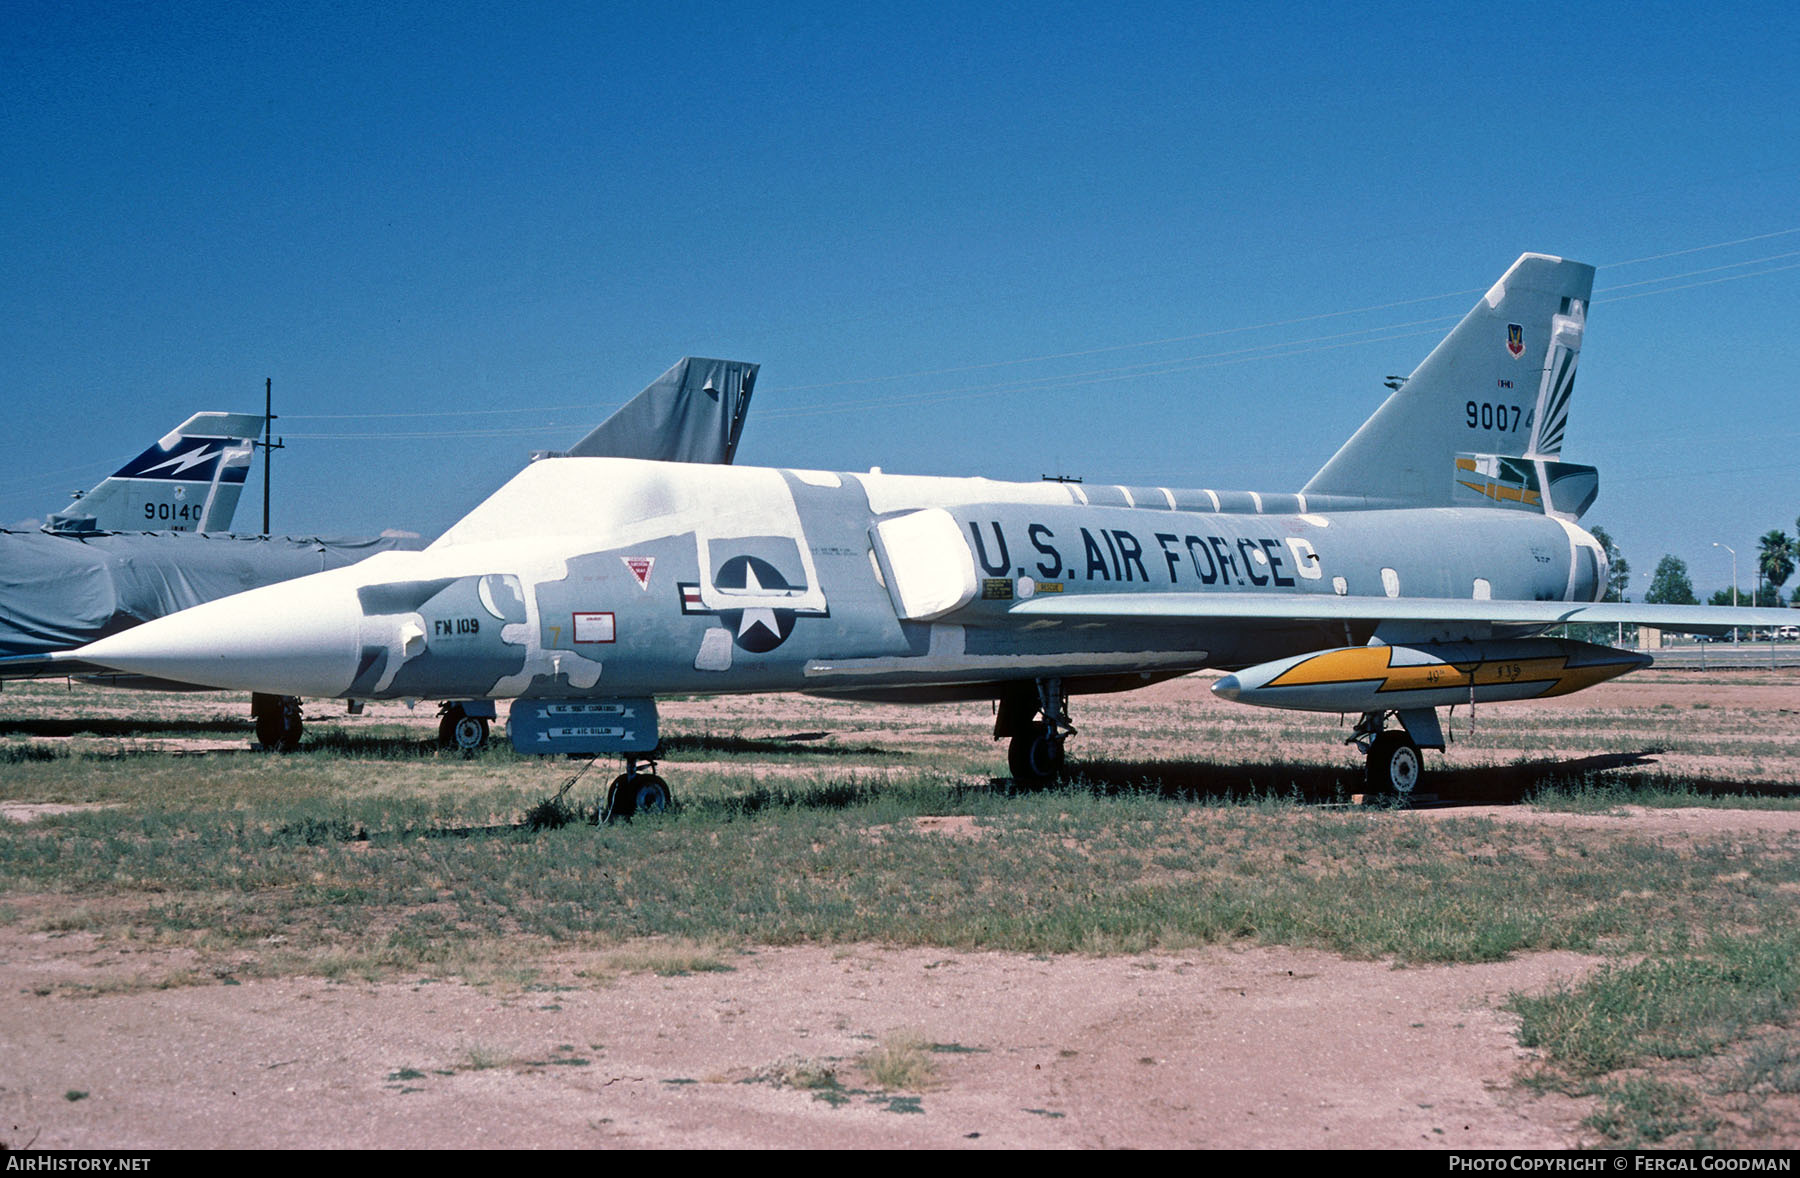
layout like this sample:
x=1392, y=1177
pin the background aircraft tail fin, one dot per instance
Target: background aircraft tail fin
x=1482, y=419
x=187, y=481
x=694, y=412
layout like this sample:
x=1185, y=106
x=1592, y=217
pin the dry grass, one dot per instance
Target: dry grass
x=670, y=957
x=901, y=1062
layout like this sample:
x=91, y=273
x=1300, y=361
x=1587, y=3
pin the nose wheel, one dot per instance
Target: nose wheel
x=635, y=792
x=278, y=721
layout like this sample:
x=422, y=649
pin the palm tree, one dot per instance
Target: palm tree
x=1775, y=558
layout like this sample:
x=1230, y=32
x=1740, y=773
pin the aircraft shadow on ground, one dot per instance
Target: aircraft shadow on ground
x=224, y=726
x=367, y=744
x=339, y=741
x=797, y=744
x=1491, y=785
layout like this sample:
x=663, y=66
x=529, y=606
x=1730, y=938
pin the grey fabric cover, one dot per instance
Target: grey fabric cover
x=694, y=412
x=58, y=592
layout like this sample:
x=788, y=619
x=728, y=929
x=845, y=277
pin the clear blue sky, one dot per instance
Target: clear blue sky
x=952, y=235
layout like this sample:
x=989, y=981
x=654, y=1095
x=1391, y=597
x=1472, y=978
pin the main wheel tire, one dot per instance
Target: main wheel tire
x=1395, y=764
x=629, y=796
x=1034, y=757
x=459, y=730
x=278, y=722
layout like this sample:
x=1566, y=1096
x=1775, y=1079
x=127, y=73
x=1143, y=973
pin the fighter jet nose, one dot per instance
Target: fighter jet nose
x=1228, y=687
x=295, y=638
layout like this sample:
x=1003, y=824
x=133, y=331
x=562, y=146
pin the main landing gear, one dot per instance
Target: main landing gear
x=462, y=728
x=1035, y=716
x=278, y=721
x=635, y=792
x=1395, y=764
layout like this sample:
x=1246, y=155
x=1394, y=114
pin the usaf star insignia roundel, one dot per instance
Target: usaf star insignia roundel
x=758, y=629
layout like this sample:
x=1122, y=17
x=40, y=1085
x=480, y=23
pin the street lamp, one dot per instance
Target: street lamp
x=1733, y=551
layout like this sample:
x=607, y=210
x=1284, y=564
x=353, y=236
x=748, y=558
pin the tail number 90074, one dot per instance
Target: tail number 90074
x=1492, y=415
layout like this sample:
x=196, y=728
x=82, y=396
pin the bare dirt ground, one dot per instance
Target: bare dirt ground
x=1225, y=1047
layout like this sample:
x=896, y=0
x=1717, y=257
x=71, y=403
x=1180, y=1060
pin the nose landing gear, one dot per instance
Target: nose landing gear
x=635, y=792
x=278, y=721
x=1036, y=719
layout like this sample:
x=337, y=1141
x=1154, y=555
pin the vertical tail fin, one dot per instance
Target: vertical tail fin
x=187, y=481
x=694, y=412
x=1497, y=388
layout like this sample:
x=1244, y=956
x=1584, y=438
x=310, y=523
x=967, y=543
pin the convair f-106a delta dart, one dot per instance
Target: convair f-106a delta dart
x=1418, y=569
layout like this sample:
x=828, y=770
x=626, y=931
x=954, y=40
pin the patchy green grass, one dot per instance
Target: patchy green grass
x=1616, y=1034
x=1639, y=1111
x=1678, y=1007
x=370, y=855
x=1597, y=794
x=361, y=885
x=1771, y=1064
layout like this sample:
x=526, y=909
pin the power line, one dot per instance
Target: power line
x=1130, y=372
x=1273, y=350
x=1709, y=282
x=435, y=413
x=413, y=435
x=1699, y=249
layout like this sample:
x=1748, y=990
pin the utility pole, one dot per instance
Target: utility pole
x=269, y=444
x=1733, y=551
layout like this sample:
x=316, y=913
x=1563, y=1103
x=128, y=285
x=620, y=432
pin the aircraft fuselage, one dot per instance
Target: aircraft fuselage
x=609, y=578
